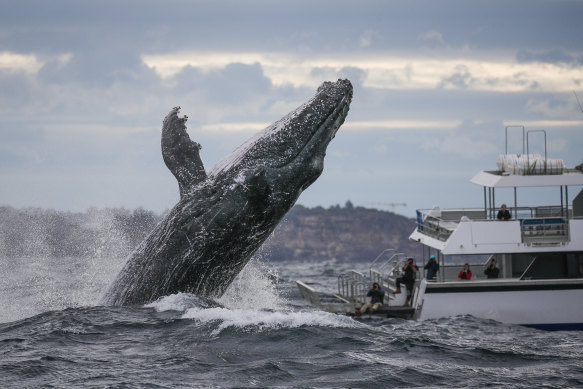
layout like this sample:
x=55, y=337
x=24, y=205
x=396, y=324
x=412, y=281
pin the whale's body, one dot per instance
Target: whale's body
x=223, y=218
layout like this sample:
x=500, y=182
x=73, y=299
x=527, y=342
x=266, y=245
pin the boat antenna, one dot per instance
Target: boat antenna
x=581, y=108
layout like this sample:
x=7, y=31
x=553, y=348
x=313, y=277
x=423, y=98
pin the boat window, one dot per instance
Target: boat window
x=555, y=265
x=520, y=262
x=574, y=265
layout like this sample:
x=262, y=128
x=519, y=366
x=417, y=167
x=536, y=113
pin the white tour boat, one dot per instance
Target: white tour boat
x=539, y=252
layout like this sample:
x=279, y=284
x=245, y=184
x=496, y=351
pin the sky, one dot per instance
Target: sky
x=84, y=87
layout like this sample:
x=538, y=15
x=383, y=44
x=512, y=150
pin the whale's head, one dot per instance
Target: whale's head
x=285, y=158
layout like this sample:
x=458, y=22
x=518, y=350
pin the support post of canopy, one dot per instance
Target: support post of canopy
x=562, y=215
x=489, y=203
x=515, y=205
x=440, y=254
x=423, y=258
x=493, y=202
x=567, y=200
x=485, y=205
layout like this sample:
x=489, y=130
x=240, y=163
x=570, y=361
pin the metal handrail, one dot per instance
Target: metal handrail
x=379, y=256
x=526, y=211
x=554, y=228
x=507, y=127
x=352, y=285
x=394, y=257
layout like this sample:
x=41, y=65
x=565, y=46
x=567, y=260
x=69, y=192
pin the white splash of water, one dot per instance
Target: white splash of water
x=254, y=288
x=175, y=302
x=259, y=320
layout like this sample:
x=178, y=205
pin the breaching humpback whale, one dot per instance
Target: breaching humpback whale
x=222, y=218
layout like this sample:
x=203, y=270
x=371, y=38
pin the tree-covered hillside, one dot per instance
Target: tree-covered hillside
x=306, y=234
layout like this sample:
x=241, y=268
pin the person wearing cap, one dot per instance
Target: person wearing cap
x=432, y=267
x=503, y=213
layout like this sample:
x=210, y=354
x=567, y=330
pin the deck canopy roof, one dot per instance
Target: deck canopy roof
x=496, y=179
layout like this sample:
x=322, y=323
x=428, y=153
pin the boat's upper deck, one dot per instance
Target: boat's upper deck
x=531, y=229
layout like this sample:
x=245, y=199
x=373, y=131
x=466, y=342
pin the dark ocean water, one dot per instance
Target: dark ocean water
x=260, y=334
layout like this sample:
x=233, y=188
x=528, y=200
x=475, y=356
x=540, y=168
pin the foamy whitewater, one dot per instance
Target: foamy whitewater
x=259, y=334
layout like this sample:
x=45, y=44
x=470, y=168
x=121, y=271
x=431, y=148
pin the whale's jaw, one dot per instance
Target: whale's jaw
x=223, y=218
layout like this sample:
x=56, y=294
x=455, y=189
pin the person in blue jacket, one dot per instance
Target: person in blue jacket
x=432, y=267
x=377, y=295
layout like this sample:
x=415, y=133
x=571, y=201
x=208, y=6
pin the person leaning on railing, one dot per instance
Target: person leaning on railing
x=503, y=213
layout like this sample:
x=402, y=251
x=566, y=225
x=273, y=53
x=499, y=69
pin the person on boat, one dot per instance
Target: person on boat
x=503, y=213
x=432, y=267
x=377, y=295
x=466, y=273
x=492, y=271
x=410, y=272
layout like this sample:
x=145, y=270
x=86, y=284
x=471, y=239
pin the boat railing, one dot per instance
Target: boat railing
x=353, y=286
x=544, y=230
x=375, y=274
x=383, y=270
x=450, y=273
x=440, y=223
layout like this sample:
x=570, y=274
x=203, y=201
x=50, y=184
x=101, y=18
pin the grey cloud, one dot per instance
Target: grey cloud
x=549, y=56
x=98, y=68
x=20, y=144
x=323, y=26
x=16, y=90
x=461, y=78
x=230, y=85
x=355, y=75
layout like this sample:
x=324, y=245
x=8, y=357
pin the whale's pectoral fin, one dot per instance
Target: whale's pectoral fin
x=180, y=153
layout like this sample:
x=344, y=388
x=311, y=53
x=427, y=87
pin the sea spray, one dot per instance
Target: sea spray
x=255, y=288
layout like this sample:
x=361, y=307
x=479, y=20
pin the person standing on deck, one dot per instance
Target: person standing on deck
x=503, y=213
x=410, y=270
x=492, y=271
x=466, y=273
x=432, y=267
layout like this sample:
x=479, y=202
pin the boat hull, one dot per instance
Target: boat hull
x=546, y=304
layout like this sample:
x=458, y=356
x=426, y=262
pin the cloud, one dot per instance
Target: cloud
x=558, y=145
x=462, y=146
x=560, y=107
x=461, y=78
x=84, y=87
x=555, y=55
x=379, y=70
x=367, y=38
x=433, y=38
x=470, y=140
x=403, y=124
x=28, y=63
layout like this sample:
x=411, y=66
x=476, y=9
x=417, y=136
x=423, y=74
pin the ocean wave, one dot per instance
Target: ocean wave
x=261, y=320
x=178, y=302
